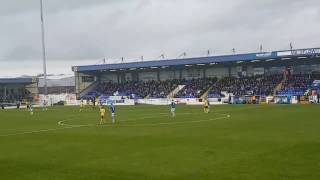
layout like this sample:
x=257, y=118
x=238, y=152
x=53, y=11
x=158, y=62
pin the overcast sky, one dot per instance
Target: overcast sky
x=84, y=31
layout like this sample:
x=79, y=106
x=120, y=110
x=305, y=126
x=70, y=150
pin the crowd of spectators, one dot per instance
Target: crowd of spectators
x=260, y=85
x=162, y=89
x=255, y=85
x=157, y=89
x=153, y=89
x=300, y=81
x=297, y=84
x=196, y=87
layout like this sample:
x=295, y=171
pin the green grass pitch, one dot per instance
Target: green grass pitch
x=256, y=142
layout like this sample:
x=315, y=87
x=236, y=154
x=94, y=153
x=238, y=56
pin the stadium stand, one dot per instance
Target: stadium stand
x=256, y=85
x=17, y=89
x=254, y=74
x=154, y=89
x=260, y=85
x=139, y=89
x=14, y=94
x=196, y=87
x=297, y=84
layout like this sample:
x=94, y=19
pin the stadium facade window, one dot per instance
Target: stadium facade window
x=87, y=79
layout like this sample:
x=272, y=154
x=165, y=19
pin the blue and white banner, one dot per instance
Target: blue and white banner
x=264, y=55
x=316, y=83
x=306, y=52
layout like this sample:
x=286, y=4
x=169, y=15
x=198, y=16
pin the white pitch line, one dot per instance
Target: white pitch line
x=67, y=126
x=37, y=131
x=78, y=126
x=146, y=124
x=62, y=123
x=173, y=123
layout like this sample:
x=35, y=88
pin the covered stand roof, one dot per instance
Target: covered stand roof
x=274, y=55
x=20, y=80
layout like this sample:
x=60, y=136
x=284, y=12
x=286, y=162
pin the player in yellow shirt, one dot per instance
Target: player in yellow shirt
x=206, y=106
x=102, y=115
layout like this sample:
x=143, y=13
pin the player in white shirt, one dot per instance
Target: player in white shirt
x=173, y=108
x=30, y=109
x=44, y=105
x=113, y=113
x=81, y=105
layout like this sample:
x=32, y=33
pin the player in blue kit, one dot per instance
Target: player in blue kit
x=173, y=108
x=113, y=113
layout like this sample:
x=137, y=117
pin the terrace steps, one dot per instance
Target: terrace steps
x=147, y=97
x=89, y=88
x=278, y=87
x=176, y=91
x=205, y=95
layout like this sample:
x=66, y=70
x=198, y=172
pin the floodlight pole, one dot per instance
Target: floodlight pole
x=44, y=58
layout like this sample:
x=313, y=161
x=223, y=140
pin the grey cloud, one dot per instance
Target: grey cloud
x=83, y=29
x=12, y=7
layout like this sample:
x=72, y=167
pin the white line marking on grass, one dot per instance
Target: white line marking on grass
x=68, y=126
x=226, y=116
x=37, y=131
x=63, y=123
x=32, y=132
x=174, y=123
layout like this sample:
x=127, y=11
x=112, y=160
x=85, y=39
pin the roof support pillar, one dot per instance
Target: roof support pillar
x=158, y=75
x=5, y=93
x=118, y=78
